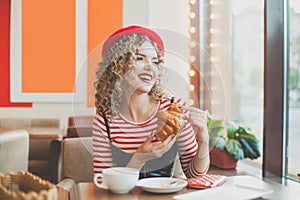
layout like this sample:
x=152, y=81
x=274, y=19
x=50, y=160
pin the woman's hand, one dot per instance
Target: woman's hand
x=198, y=119
x=148, y=151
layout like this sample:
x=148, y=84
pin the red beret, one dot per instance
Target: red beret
x=131, y=30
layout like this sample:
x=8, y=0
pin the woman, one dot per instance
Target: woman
x=129, y=96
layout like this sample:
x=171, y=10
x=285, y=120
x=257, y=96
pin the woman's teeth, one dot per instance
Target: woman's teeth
x=146, y=78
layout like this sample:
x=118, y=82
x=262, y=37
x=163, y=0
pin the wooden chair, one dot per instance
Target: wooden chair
x=44, y=144
x=77, y=165
x=80, y=126
x=14, y=151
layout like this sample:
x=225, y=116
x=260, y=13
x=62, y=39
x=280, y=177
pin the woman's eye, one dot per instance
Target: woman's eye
x=155, y=63
x=139, y=58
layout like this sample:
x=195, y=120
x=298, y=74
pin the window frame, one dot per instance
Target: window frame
x=275, y=129
x=275, y=89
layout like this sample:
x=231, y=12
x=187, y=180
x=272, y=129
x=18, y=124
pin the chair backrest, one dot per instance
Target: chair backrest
x=80, y=126
x=14, y=151
x=81, y=120
x=77, y=159
x=75, y=132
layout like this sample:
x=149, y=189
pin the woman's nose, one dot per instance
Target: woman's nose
x=148, y=64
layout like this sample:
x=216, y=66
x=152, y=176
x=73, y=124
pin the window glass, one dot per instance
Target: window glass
x=248, y=65
x=234, y=38
x=294, y=91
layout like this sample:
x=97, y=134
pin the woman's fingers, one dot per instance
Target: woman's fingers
x=194, y=111
x=149, y=140
x=149, y=150
x=164, y=146
x=195, y=116
x=198, y=119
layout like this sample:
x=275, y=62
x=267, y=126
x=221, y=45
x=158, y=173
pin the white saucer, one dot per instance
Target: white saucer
x=162, y=184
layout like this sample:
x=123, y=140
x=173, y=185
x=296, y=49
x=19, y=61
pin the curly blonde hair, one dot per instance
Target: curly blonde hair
x=117, y=60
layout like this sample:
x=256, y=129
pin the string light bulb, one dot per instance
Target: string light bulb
x=213, y=30
x=213, y=2
x=213, y=45
x=192, y=58
x=191, y=87
x=213, y=16
x=192, y=2
x=214, y=88
x=191, y=102
x=192, y=29
x=192, y=15
x=214, y=59
x=213, y=73
x=192, y=73
x=192, y=44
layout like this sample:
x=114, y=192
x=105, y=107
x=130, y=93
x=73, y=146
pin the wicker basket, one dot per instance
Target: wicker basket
x=24, y=185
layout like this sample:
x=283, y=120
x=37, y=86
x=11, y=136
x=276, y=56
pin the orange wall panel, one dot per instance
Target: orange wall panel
x=48, y=46
x=104, y=18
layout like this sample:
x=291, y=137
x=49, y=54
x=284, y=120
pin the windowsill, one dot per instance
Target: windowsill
x=246, y=167
x=243, y=168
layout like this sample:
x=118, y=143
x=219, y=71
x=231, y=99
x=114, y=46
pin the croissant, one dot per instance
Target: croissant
x=170, y=122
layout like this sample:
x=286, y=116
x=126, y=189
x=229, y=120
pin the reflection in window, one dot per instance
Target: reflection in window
x=294, y=91
x=233, y=38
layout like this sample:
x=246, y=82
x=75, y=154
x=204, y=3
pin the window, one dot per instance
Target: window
x=252, y=46
x=232, y=46
x=294, y=90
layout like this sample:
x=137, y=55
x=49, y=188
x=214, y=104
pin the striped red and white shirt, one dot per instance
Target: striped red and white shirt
x=128, y=136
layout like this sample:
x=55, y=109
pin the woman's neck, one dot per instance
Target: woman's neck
x=138, y=108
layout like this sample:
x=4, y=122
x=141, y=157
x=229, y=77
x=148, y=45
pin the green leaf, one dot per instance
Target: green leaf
x=218, y=142
x=249, y=136
x=250, y=147
x=214, y=132
x=244, y=130
x=213, y=123
x=231, y=129
x=237, y=140
x=234, y=147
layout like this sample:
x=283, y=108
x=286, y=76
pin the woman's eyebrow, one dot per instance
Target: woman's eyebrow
x=140, y=54
x=143, y=55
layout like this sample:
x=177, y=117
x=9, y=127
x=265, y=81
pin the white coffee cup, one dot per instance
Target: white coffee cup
x=118, y=179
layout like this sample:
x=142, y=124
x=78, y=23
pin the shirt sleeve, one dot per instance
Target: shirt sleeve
x=188, y=147
x=101, y=149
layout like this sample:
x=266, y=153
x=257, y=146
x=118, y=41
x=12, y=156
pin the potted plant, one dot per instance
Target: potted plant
x=230, y=142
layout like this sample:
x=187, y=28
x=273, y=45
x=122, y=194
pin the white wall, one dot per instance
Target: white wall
x=169, y=18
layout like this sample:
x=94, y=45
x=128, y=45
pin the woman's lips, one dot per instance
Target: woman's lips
x=147, y=78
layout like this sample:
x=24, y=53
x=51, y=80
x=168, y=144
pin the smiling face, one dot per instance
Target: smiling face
x=144, y=73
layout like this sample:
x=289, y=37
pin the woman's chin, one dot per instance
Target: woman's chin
x=145, y=88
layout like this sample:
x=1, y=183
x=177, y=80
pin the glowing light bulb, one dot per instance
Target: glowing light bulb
x=191, y=102
x=214, y=59
x=213, y=2
x=192, y=73
x=192, y=2
x=191, y=87
x=213, y=30
x=192, y=44
x=213, y=45
x=213, y=73
x=192, y=29
x=192, y=58
x=192, y=15
x=213, y=16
